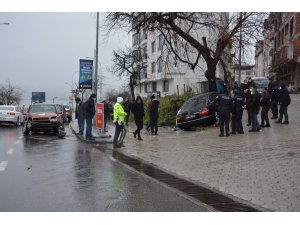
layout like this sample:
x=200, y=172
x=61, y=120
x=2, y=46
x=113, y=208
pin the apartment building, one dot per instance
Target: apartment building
x=162, y=73
x=284, y=31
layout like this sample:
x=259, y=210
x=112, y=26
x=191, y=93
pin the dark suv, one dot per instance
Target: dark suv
x=44, y=118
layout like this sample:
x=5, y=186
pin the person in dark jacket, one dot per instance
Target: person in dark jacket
x=80, y=115
x=265, y=103
x=270, y=86
x=254, y=106
x=284, y=100
x=137, y=108
x=153, y=112
x=237, y=112
x=127, y=108
x=274, y=100
x=247, y=95
x=89, y=115
x=224, y=102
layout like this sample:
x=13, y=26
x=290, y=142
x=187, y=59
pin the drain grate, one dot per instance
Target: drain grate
x=202, y=194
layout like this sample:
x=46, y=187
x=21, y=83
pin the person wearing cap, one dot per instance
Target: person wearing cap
x=119, y=120
x=80, y=114
x=89, y=115
x=153, y=112
x=237, y=112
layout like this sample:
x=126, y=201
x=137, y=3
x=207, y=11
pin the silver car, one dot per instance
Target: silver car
x=11, y=114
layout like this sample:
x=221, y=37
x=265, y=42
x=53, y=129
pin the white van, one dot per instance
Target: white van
x=260, y=83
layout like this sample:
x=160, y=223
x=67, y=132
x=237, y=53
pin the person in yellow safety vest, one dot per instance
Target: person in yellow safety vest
x=119, y=120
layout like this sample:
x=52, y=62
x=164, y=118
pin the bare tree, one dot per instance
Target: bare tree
x=128, y=63
x=10, y=93
x=112, y=94
x=194, y=36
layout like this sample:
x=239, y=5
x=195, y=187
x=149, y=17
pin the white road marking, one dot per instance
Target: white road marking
x=10, y=151
x=3, y=165
x=17, y=142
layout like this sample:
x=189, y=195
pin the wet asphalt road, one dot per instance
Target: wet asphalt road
x=43, y=173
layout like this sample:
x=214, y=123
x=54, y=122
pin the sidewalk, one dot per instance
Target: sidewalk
x=261, y=168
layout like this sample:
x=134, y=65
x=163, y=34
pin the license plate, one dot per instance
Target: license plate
x=189, y=116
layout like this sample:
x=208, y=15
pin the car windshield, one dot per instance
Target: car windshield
x=7, y=108
x=194, y=103
x=261, y=83
x=42, y=108
x=66, y=107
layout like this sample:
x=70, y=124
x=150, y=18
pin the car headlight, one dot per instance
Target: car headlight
x=53, y=119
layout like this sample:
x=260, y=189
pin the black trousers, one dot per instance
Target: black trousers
x=264, y=116
x=139, y=125
x=120, y=133
x=153, y=124
x=283, y=111
x=249, y=116
x=236, y=122
x=254, y=121
x=274, y=108
x=224, y=118
x=127, y=118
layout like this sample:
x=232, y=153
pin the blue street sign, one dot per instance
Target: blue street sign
x=85, y=74
x=38, y=97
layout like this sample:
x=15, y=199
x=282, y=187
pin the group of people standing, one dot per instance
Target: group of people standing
x=122, y=111
x=247, y=97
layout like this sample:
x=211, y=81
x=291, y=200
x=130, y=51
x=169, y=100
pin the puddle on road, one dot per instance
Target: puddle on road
x=202, y=194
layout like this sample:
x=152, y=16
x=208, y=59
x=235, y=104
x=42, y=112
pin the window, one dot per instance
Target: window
x=160, y=42
x=153, y=46
x=286, y=29
x=145, y=34
x=153, y=86
x=145, y=52
x=166, y=86
x=282, y=36
x=291, y=27
x=159, y=65
x=145, y=88
x=153, y=67
x=275, y=43
x=135, y=39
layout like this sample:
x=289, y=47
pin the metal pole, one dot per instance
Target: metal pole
x=96, y=59
x=240, y=53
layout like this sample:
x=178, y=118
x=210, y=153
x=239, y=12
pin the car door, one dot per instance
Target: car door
x=19, y=114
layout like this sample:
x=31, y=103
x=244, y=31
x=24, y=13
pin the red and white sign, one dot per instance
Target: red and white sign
x=70, y=99
x=100, y=116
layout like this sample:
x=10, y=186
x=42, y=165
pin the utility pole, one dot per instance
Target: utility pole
x=240, y=53
x=96, y=59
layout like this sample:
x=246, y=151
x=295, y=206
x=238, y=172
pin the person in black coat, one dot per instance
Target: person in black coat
x=137, y=108
x=89, y=115
x=284, y=100
x=80, y=114
x=254, y=106
x=224, y=102
x=127, y=108
x=274, y=99
x=265, y=103
x=153, y=112
x=237, y=112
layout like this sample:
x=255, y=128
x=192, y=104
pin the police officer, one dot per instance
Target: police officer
x=237, y=112
x=274, y=100
x=224, y=102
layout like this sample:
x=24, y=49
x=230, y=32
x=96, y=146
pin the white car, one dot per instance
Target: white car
x=11, y=114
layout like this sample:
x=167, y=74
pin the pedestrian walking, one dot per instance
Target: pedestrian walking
x=127, y=108
x=274, y=100
x=138, y=111
x=284, y=100
x=80, y=114
x=254, y=106
x=224, y=103
x=237, y=112
x=119, y=121
x=89, y=115
x=154, y=114
x=266, y=104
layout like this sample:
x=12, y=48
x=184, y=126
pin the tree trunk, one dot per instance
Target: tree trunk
x=210, y=74
x=131, y=85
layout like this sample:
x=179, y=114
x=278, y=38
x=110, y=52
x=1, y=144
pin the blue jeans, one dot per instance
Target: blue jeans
x=80, y=125
x=88, y=131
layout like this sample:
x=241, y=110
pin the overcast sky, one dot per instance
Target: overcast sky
x=41, y=51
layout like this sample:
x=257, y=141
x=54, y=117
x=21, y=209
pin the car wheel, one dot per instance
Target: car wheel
x=61, y=131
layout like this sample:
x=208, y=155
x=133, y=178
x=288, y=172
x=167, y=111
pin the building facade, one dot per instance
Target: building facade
x=162, y=73
x=285, y=52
